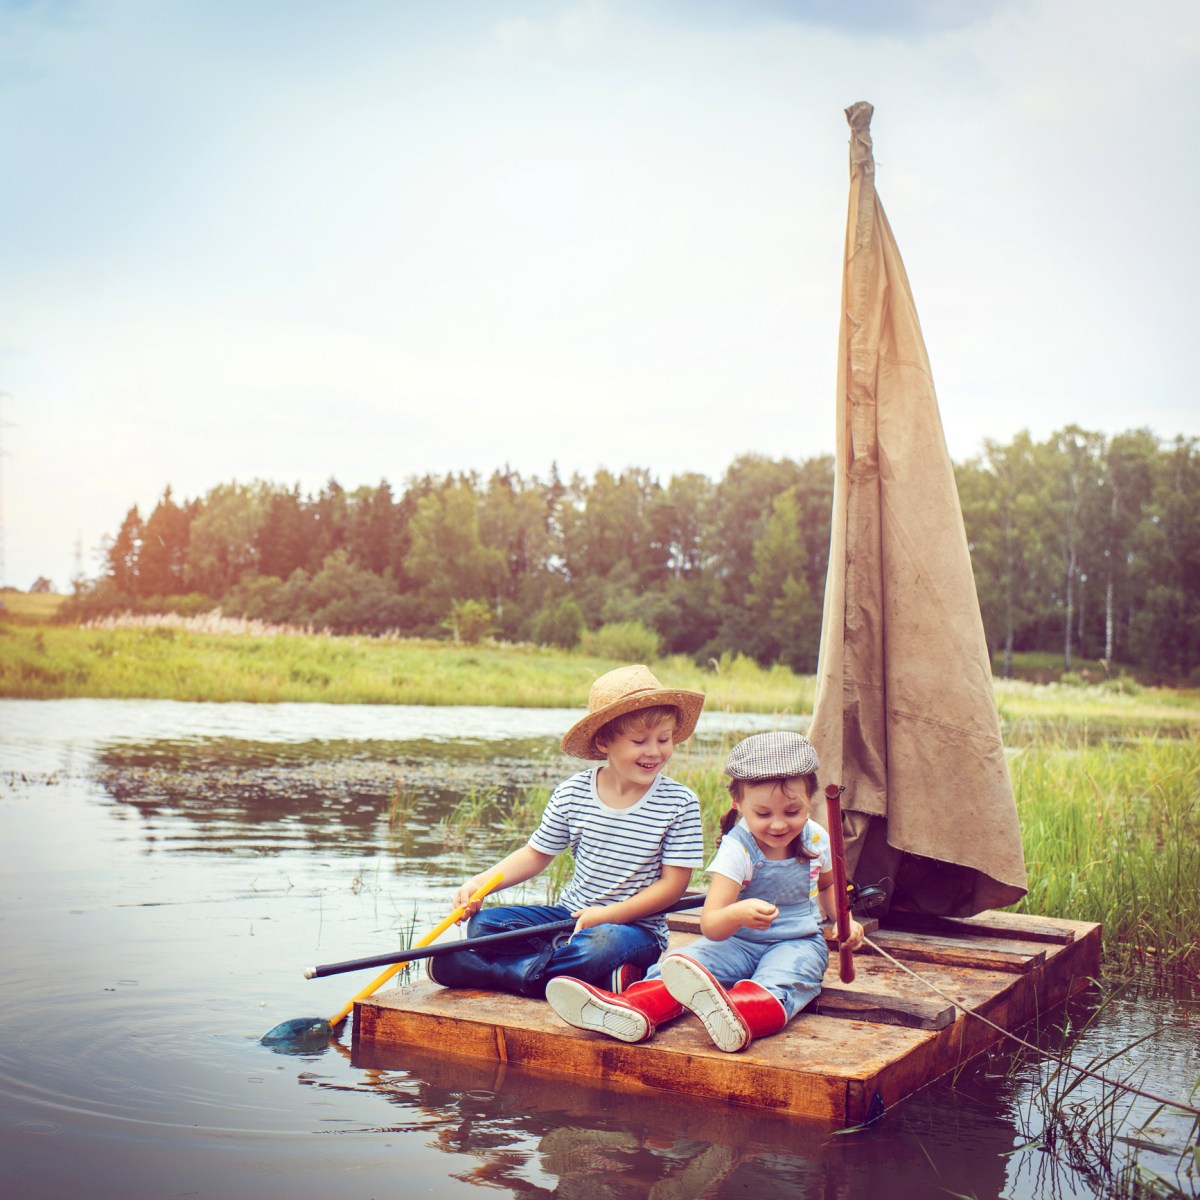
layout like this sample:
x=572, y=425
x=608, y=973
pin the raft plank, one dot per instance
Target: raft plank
x=985, y=954
x=850, y=1004
x=1014, y=926
x=820, y=1066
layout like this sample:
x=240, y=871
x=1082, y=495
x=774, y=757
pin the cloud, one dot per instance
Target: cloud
x=292, y=241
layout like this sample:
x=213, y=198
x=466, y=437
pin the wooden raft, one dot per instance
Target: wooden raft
x=854, y=1052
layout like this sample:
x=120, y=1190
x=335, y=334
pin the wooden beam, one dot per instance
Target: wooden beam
x=982, y=954
x=1014, y=926
x=857, y=1005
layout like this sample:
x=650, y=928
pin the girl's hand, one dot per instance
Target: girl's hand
x=754, y=914
x=857, y=933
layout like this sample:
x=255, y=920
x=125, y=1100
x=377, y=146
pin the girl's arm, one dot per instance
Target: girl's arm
x=724, y=914
x=827, y=902
x=519, y=866
x=661, y=894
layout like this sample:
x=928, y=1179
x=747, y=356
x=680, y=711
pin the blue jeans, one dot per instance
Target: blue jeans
x=592, y=955
x=791, y=971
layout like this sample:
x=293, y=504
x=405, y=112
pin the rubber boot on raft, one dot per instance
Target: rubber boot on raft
x=632, y=1016
x=733, y=1017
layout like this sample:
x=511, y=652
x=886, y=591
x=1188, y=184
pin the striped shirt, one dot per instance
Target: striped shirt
x=620, y=851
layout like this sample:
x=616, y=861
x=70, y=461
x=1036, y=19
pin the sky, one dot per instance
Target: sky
x=294, y=241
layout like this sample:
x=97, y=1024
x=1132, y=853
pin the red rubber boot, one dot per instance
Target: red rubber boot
x=633, y=1016
x=733, y=1018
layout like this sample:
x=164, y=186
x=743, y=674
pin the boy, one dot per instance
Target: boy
x=635, y=836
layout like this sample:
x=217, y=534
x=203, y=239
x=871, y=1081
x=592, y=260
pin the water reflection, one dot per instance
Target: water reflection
x=327, y=795
x=543, y=1136
x=170, y=869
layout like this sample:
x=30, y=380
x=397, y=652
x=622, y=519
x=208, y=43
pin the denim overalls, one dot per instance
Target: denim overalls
x=788, y=959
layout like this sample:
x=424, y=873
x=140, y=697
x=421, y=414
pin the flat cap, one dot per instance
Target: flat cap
x=771, y=756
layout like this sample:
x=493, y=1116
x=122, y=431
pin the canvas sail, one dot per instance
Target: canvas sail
x=905, y=716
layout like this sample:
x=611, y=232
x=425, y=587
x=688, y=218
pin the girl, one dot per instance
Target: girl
x=762, y=955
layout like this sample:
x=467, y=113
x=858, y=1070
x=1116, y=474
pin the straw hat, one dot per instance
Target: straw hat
x=625, y=690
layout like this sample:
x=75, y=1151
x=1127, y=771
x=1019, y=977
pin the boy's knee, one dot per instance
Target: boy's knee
x=603, y=939
x=488, y=921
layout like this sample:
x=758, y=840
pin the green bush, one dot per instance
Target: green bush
x=624, y=641
x=470, y=621
x=559, y=624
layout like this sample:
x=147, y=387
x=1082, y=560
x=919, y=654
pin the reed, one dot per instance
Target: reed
x=1103, y=708
x=1112, y=834
x=471, y=813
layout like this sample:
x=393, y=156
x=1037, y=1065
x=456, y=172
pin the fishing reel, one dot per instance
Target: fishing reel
x=867, y=896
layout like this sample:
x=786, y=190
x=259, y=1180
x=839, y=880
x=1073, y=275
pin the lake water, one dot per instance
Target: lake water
x=170, y=869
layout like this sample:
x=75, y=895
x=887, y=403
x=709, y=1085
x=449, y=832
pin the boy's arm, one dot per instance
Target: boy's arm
x=827, y=902
x=724, y=914
x=661, y=894
x=519, y=866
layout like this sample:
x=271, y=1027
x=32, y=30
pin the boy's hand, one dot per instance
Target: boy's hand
x=462, y=898
x=754, y=914
x=589, y=917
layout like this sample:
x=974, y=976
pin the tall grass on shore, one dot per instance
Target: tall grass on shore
x=1112, y=834
x=203, y=659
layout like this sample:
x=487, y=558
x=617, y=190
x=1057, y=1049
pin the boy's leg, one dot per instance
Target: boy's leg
x=595, y=953
x=505, y=917
x=517, y=967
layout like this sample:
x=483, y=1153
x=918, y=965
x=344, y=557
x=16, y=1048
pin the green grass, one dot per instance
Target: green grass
x=29, y=607
x=165, y=662
x=1112, y=834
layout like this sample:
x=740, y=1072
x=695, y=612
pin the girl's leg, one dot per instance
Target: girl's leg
x=733, y=1013
x=793, y=971
x=726, y=961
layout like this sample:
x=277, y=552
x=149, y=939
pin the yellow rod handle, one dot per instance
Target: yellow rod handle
x=436, y=932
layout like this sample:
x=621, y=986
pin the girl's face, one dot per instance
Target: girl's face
x=774, y=816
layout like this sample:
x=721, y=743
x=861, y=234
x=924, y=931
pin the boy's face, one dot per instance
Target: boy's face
x=774, y=816
x=638, y=754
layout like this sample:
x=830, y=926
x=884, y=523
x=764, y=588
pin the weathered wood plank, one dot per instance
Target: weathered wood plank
x=1014, y=926
x=987, y=954
x=850, y=1004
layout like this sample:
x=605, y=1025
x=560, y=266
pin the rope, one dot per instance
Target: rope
x=1062, y=1062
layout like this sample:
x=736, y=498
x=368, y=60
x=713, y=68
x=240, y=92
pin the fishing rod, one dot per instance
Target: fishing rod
x=837, y=850
x=304, y=1030
x=488, y=939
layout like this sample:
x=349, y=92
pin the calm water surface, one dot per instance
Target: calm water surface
x=168, y=871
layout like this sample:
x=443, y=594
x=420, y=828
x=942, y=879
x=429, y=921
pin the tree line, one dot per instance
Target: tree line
x=1082, y=544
